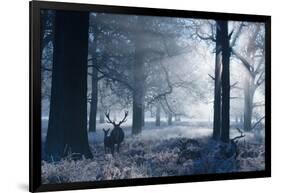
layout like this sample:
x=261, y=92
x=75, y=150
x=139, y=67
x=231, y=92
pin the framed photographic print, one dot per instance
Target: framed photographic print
x=125, y=96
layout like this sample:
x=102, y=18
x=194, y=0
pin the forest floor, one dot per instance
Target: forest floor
x=180, y=149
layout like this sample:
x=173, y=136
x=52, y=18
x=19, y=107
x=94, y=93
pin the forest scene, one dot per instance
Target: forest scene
x=130, y=96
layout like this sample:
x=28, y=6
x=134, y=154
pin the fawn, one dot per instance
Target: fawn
x=107, y=141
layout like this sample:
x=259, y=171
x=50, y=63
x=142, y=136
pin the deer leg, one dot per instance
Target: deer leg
x=112, y=149
x=118, y=147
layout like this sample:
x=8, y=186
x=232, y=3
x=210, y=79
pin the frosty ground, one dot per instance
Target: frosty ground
x=180, y=149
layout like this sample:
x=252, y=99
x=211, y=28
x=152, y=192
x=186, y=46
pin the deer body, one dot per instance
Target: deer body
x=107, y=141
x=116, y=135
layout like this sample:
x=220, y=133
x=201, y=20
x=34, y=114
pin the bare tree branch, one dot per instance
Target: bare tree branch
x=238, y=137
x=258, y=122
x=260, y=79
x=235, y=37
x=208, y=37
x=212, y=77
x=113, y=75
x=258, y=104
x=234, y=84
x=244, y=61
x=98, y=78
x=170, y=87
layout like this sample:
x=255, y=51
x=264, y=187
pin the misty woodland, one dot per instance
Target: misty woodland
x=127, y=96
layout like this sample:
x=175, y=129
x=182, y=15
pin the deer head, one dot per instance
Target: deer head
x=113, y=122
x=105, y=131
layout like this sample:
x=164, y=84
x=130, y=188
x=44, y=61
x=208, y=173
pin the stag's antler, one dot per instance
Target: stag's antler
x=124, y=119
x=108, y=119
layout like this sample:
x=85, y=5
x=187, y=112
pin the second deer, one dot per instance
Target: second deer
x=107, y=141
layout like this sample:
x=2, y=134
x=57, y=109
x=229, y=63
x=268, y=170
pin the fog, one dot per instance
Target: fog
x=172, y=45
x=146, y=96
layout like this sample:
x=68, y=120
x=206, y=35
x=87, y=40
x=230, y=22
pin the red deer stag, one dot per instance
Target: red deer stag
x=117, y=134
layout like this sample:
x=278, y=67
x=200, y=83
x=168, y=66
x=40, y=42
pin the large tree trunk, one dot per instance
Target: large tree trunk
x=67, y=129
x=151, y=112
x=102, y=116
x=102, y=109
x=236, y=120
x=158, y=114
x=178, y=118
x=143, y=116
x=249, y=91
x=170, y=118
x=138, y=76
x=223, y=25
x=241, y=121
x=137, y=116
x=94, y=101
x=94, y=95
x=249, y=85
x=217, y=89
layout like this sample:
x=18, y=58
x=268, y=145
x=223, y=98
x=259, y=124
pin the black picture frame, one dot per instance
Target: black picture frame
x=35, y=96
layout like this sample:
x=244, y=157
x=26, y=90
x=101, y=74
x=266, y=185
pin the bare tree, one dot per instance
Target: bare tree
x=67, y=129
x=253, y=60
x=138, y=79
x=225, y=80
